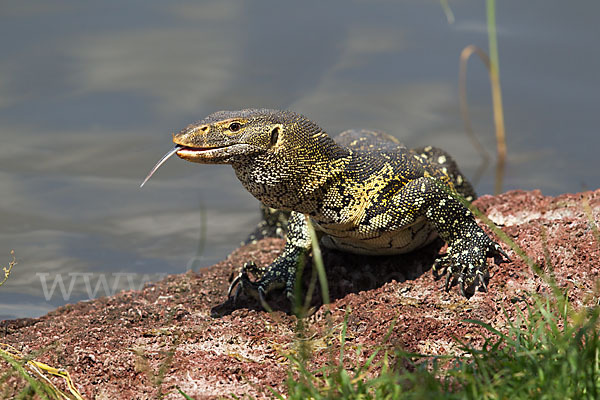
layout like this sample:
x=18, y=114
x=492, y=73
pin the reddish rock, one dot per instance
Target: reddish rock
x=116, y=347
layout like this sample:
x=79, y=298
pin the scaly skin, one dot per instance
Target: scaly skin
x=363, y=193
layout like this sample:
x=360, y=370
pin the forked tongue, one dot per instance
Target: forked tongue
x=161, y=162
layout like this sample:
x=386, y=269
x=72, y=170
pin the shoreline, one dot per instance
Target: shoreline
x=114, y=347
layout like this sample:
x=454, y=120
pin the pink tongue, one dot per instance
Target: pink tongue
x=161, y=162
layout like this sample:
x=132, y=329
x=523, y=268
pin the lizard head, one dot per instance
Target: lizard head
x=227, y=137
x=259, y=143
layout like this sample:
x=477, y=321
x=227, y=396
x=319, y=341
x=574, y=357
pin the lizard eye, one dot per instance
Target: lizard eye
x=234, y=126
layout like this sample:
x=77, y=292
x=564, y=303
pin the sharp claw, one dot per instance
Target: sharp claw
x=437, y=271
x=290, y=295
x=447, y=284
x=237, y=293
x=263, y=301
x=462, y=288
x=482, y=283
x=499, y=250
x=232, y=285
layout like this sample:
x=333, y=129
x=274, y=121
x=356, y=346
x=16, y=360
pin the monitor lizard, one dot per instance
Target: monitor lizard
x=363, y=192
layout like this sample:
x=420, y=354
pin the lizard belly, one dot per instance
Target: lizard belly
x=398, y=241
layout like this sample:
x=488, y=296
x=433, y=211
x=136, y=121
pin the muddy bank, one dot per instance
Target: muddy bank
x=183, y=331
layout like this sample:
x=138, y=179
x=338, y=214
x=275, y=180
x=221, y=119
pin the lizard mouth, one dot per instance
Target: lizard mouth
x=187, y=153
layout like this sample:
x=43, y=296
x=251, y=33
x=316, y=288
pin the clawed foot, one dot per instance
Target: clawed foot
x=465, y=264
x=268, y=279
x=243, y=283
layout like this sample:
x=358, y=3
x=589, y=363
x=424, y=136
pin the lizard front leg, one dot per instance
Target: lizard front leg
x=282, y=272
x=465, y=262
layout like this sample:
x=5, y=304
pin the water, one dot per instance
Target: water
x=91, y=91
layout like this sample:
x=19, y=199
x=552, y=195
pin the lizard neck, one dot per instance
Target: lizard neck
x=296, y=174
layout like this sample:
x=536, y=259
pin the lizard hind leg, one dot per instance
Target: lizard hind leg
x=272, y=224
